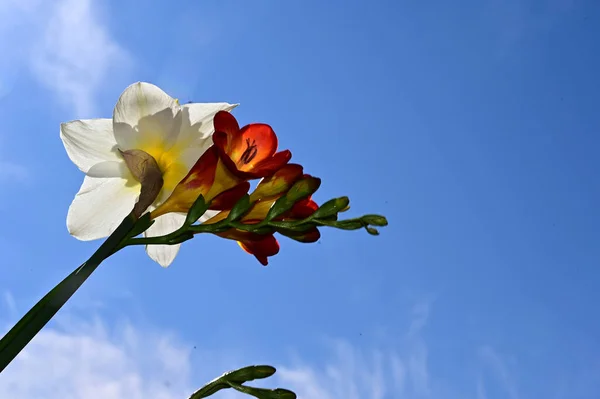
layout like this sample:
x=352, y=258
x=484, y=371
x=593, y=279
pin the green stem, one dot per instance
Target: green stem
x=185, y=229
x=27, y=328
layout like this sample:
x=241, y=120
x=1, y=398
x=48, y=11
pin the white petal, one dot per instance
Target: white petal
x=109, y=169
x=207, y=215
x=89, y=142
x=197, y=123
x=100, y=206
x=164, y=254
x=146, y=117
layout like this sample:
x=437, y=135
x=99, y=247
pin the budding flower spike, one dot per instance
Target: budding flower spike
x=281, y=202
x=159, y=173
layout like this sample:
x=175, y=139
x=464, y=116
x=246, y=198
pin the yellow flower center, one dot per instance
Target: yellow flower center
x=171, y=165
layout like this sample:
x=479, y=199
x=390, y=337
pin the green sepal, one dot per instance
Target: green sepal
x=302, y=189
x=240, y=208
x=280, y=206
x=196, y=210
x=375, y=220
x=331, y=208
x=371, y=230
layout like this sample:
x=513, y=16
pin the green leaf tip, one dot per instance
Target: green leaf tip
x=235, y=379
x=196, y=210
x=375, y=220
x=331, y=208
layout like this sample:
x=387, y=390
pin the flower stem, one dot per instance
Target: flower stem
x=27, y=328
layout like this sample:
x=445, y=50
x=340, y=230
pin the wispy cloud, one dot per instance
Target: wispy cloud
x=76, y=53
x=499, y=371
x=65, y=45
x=90, y=360
x=376, y=373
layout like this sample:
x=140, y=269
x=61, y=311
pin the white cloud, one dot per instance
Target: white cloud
x=88, y=361
x=65, y=45
x=75, y=359
x=397, y=372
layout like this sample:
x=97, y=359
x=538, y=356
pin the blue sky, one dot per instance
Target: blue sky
x=472, y=125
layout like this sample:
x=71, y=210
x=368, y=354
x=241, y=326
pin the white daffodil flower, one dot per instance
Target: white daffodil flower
x=148, y=119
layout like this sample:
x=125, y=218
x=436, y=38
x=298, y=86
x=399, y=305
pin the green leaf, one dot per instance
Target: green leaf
x=263, y=393
x=240, y=208
x=331, y=208
x=196, y=211
x=37, y=317
x=239, y=376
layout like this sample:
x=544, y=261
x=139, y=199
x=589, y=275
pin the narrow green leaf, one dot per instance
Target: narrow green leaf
x=196, y=211
x=37, y=317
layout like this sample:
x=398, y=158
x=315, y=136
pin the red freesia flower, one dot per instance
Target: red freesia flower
x=249, y=152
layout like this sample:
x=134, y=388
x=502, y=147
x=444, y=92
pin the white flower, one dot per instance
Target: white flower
x=148, y=119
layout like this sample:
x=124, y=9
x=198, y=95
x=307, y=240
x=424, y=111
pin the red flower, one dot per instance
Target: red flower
x=249, y=152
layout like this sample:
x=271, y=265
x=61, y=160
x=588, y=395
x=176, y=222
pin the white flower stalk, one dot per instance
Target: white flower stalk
x=145, y=118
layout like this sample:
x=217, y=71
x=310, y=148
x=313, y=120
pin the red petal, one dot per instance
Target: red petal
x=257, y=142
x=262, y=248
x=220, y=140
x=302, y=209
x=202, y=174
x=309, y=236
x=225, y=122
x=227, y=199
x=270, y=165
